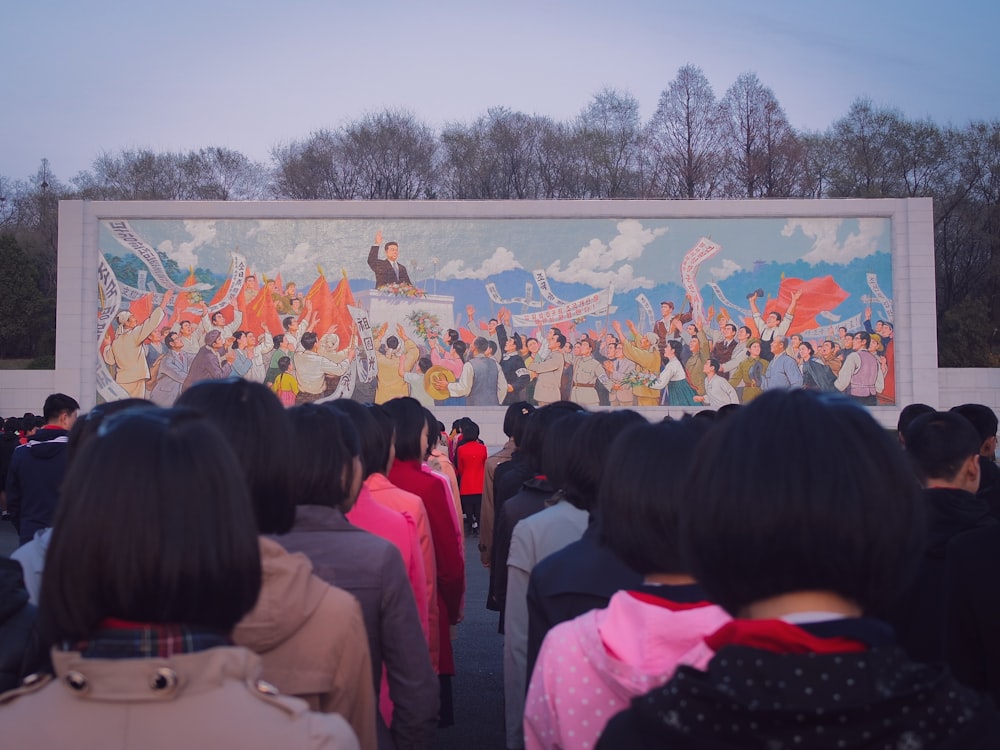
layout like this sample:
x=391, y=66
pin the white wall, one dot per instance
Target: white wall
x=917, y=375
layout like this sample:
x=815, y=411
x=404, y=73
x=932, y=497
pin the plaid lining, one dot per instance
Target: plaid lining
x=120, y=639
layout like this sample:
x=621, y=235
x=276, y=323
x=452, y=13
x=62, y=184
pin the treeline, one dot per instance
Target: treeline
x=695, y=146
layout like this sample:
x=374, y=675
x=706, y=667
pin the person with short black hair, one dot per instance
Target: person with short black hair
x=326, y=485
x=907, y=416
x=310, y=635
x=984, y=420
x=139, y=602
x=718, y=392
x=607, y=656
x=944, y=449
x=805, y=567
x=37, y=469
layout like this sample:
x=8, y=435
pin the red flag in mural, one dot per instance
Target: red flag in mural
x=227, y=312
x=141, y=308
x=183, y=305
x=820, y=294
x=260, y=312
x=330, y=308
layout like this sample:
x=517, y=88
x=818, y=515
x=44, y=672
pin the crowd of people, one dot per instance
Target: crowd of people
x=304, y=353
x=230, y=571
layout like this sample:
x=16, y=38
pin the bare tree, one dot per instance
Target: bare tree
x=313, y=169
x=866, y=146
x=133, y=174
x=393, y=155
x=222, y=174
x=610, y=139
x=685, y=135
x=762, y=152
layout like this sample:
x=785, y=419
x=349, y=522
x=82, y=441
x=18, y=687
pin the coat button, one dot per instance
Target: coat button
x=266, y=688
x=163, y=679
x=77, y=681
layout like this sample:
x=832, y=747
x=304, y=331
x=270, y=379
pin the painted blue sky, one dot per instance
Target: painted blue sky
x=82, y=78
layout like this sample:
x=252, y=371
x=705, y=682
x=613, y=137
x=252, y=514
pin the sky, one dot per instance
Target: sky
x=79, y=79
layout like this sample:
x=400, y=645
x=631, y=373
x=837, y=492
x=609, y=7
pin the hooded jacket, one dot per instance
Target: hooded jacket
x=591, y=667
x=311, y=639
x=36, y=471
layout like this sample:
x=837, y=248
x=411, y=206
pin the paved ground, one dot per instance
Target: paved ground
x=478, y=686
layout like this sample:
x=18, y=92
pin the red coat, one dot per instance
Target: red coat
x=408, y=475
x=471, y=468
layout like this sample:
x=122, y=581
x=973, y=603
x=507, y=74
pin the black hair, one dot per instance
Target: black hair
x=940, y=442
x=287, y=321
x=643, y=499
x=392, y=342
x=278, y=340
x=256, y=427
x=434, y=430
x=806, y=344
x=515, y=419
x=373, y=439
x=284, y=363
x=408, y=416
x=480, y=344
x=87, y=425
x=909, y=413
x=158, y=528
x=308, y=340
x=424, y=364
x=583, y=462
x=461, y=348
x=537, y=428
x=58, y=404
x=865, y=336
x=169, y=338
x=757, y=531
x=470, y=432
x=715, y=364
x=981, y=417
x=326, y=445
x=560, y=338
x=675, y=345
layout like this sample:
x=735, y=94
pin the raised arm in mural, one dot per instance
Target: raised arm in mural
x=775, y=324
x=390, y=270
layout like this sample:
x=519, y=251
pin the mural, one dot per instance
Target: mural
x=485, y=312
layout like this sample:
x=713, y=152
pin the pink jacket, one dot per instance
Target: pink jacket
x=591, y=667
x=390, y=496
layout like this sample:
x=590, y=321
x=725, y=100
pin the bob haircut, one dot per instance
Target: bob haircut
x=587, y=456
x=87, y=425
x=760, y=529
x=255, y=423
x=372, y=436
x=408, y=415
x=643, y=499
x=326, y=445
x=537, y=428
x=515, y=419
x=156, y=526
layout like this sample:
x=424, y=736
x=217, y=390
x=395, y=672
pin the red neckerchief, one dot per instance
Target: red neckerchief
x=779, y=637
x=658, y=601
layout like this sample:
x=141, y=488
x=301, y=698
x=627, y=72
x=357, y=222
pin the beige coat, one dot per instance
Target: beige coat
x=209, y=699
x=311, y=639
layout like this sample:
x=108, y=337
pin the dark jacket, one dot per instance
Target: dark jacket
x=919, y=616
x=384, y=274
x=530, y=500
x=36, y=471
x=751, y=698
x=578, y=578
x=21, y=652
x=973, y=610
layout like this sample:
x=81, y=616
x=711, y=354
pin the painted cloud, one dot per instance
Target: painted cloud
x=595, y=263
x=501, y=260
x=826, y=246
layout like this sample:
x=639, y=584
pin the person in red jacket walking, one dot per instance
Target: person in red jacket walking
x=471, y=467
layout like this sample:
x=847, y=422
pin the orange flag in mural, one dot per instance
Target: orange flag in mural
x=227, y=312
x=183, y=303
x=260, y=312
x=330, y=307
x=820, y=294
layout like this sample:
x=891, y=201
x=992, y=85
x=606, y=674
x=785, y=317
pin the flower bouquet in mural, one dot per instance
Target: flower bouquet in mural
x=426, y=324
x=403, y=290
x=639, y=378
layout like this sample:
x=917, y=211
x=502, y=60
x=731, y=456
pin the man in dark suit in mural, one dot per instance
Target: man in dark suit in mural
x=388, y=271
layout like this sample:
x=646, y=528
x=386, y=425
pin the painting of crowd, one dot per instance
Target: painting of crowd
x=318, y=343
x=231, y=570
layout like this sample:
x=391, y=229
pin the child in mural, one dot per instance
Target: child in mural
x=285, y=384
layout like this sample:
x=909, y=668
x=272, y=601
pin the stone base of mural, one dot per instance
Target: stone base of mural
x=393, y=309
